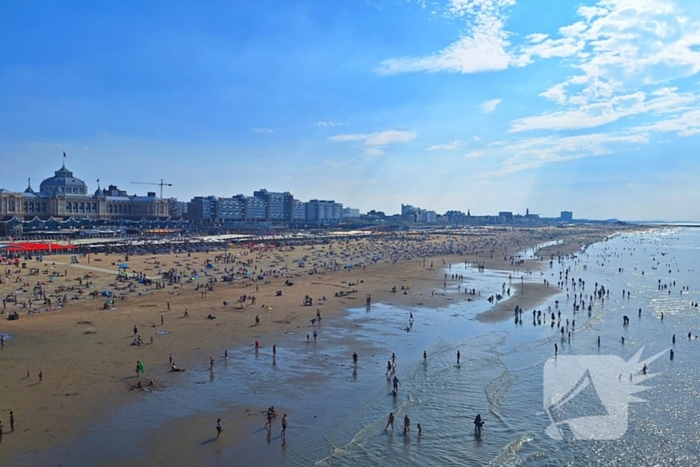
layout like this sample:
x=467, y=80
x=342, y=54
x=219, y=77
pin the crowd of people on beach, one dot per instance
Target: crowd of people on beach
x=245, y=267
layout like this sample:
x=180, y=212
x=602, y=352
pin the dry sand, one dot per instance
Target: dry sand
x=85, y=354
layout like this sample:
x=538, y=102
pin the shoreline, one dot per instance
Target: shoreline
x=232, y=329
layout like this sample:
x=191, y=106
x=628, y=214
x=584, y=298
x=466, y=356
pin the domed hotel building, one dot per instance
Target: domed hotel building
x=66, y=196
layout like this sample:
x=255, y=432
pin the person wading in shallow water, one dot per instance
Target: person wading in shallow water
x=390, y=422
x=478, y=424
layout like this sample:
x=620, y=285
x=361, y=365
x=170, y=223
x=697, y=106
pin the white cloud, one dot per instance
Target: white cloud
x=475, y=154
x=380, y=138
x=622, y=54
x=663, y=100
x=373, y=152
x=476, y=139
x=454, y=145
x=262, y=130
x=536, y=152
x=489, y=106
x=329, y=124
x=481, y=47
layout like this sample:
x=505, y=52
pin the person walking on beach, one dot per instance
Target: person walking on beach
x=211, y=363
x=219, y=428
x=41, y=376
x=1, y=427
x=12, y=421
x=284, y=425
x=406, y=425
x=556, y=349
x=136, y=330
x=2, y=342
x=315, y=335
x=390, y=422
x=269, y=418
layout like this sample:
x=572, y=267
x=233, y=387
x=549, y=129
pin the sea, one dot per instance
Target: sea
x=508, y=374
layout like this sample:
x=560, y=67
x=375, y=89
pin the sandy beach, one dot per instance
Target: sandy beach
x=84, y=353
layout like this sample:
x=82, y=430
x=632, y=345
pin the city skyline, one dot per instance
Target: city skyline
x=487, y=105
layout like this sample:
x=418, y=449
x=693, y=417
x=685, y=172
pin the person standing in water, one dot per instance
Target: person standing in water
x=478, y=424
x=390, y=422
x=219, y=429
x=458, y=357
x=396, y=383
x=284, y=425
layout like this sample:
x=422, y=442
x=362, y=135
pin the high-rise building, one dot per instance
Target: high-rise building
x=202, y=209
x=279, y=205
x=566, y=216
x=231, y=209
x=323, y=211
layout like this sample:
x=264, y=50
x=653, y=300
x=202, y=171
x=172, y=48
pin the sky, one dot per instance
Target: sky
x=480, y=105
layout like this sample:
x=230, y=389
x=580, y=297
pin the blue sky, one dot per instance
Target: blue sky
x=487, y=105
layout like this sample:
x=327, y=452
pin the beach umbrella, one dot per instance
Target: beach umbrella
x=123, y=266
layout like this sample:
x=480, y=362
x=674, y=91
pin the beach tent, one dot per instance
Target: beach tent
x=210, y=266
x=106, y=293
x=123, y=266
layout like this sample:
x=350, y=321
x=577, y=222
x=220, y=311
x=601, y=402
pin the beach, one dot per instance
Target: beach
x=88, y=365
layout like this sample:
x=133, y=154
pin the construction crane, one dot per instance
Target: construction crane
x=161, y=185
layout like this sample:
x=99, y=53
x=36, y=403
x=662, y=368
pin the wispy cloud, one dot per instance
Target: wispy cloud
x=535, y=152
x=381, y=138
x=328, y=124
x=663, y=100
x=262, y=130
x=454, y=145
x=475, y=154
x=622, y=53
x=481, y=47
x=373, y=152
x=489, y=106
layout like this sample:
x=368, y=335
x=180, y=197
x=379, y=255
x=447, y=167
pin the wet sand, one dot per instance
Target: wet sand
x=89, y=367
